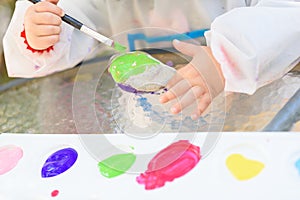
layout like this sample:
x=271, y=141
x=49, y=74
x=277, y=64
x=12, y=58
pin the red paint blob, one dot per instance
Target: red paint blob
x=172, y=162
x=54, y=193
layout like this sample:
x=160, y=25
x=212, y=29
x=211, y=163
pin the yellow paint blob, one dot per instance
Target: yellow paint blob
x=243, y=168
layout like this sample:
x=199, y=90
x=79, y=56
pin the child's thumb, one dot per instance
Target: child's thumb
x=185, y=48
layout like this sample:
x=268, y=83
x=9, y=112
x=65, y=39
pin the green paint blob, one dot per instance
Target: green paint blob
x=116, y=164
x=119, y=47
x=132, y=63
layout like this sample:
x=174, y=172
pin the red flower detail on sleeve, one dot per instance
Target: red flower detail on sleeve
x=23, y=35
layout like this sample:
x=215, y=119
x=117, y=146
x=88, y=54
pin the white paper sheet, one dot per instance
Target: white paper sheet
x=210, y=179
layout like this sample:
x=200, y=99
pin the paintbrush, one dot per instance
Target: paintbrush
x=85, y=29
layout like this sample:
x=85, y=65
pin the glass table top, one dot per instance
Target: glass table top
x=67, y=102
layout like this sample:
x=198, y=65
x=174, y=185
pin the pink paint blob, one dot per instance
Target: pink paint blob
x=172, y=162
x=54, y=193
x=9, y=157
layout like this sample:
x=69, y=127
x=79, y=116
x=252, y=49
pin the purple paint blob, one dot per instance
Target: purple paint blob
x=59, y=162
x=170, y=63
x=128, y=88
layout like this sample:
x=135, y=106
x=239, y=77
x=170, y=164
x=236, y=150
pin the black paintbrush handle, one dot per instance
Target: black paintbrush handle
x=34, y=1
x=73, y=22
x=66, y=18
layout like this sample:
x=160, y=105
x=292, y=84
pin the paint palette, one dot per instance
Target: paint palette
x=167, y=166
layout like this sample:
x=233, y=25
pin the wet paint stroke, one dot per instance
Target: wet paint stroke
x=126, y=65
x=170, y=163
x=116, y=165
x=10, y=155
x=143, y=102
x=242, y=168
x=139, y=72
x=59, y=162
x=117, y=46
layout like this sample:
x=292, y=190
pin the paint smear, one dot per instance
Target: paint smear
x=297, y=165
x=170, y=163
x=59, y=162
x=54, y=193
x=9, y=157
x=129, y=64
x=139, y=72
x=117, y=46
x=242, y=168
x=116, y=165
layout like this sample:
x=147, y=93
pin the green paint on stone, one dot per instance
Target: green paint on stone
x=129, y=64
x=119, y=47
x=116, y=164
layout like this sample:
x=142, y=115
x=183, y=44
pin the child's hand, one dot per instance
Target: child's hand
x=42, y=24
x=201, y=80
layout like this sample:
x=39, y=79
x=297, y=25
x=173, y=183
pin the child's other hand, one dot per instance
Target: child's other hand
x=42, y=24
x=199, y=81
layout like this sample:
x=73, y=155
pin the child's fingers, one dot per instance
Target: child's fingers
x=185, y=70
x=190, y=97
x=174, y=80
x=47, y=18
x=185, y=48
x=46, y=6
x=203, y=104
x=176, y=91
x=164, y=98
x=47, y=41
x=181, y=74
x=47, y=30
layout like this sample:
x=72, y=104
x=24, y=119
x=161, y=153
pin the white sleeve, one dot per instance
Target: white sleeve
x=21, y=62
x=256, y=45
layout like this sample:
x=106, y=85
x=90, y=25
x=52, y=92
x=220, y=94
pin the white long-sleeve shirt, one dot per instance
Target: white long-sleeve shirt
x=254, y=42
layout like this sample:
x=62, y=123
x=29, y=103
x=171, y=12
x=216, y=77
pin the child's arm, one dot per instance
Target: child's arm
x=256, y=45
x=253, y=46
x=32, y=47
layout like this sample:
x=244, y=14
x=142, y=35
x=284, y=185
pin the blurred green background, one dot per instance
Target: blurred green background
x=6, y=10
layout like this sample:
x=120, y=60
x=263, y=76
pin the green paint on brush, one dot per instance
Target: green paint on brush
x=130, y=64
x=131, y=147
x=116, y=164
x=117, y=46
